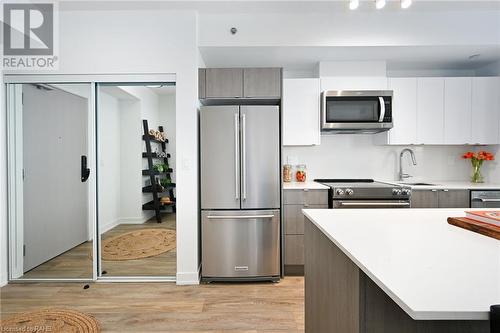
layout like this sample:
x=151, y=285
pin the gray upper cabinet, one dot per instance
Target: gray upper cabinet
x=201, y=82
x=440, y=198
x=227, y=83
x=262, y=82
x=224, y=83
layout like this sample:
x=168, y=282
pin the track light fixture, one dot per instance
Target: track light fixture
x=353, y=4
x=379, y=4
x=405, y=3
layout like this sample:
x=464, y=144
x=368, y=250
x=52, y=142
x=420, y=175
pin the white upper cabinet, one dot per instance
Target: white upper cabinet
x=457, y=110
x=404, y=110
x=444, y=111
x=485, y=110
x=430, y=110
x=301, y=112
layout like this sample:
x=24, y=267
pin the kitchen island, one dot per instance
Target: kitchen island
x=397, y=270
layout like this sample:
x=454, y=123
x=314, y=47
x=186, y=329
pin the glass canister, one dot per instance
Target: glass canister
x=301, y=173
x=287, y=173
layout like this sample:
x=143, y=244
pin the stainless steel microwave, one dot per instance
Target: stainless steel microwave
x=361, y=111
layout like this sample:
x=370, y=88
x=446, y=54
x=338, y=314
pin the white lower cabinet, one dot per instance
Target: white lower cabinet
x=444, y=111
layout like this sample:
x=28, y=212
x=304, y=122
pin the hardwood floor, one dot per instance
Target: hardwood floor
x=77, y=263
x=165, y=307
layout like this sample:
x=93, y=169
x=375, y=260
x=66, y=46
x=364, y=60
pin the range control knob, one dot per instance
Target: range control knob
x=348, y=191
x=406, y=191
x=340, y=191
x=396, y=191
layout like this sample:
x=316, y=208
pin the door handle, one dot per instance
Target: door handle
x=244, y=153
x=85, y=172
x=239, y=217
x=486, y=200
x=374, y=204
x=236, y=156
x=382, y=109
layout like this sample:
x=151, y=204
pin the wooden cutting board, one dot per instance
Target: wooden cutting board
x=476, y=226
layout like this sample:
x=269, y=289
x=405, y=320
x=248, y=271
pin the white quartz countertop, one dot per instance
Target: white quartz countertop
x=449, y=185
x=309, y=185
x=431, y=269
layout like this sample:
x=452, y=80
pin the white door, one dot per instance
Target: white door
x=485, y=110
x=55, y=203
x=457, y=110
x=430, y=111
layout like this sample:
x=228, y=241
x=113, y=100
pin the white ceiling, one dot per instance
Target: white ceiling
x=274, y=6
x=397, y=57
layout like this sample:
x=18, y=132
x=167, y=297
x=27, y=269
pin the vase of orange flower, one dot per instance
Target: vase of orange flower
x=477, y=160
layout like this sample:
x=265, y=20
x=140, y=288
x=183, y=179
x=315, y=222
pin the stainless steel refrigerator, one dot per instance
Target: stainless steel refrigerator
x=240, y=192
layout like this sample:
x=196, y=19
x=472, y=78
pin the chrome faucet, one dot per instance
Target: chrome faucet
x=402, y=175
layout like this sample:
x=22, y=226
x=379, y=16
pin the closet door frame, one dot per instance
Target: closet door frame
x=14, y=156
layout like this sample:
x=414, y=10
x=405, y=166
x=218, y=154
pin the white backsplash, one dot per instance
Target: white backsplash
x=355, y=156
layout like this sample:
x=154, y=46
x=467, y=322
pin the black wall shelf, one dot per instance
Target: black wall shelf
x=154, y=187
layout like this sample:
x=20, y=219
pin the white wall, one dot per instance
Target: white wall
x=112, y=42
x=355, y=156
x=109, y=161
x=167, y=119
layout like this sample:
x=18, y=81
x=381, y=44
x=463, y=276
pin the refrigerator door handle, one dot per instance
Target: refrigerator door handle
x=239, y=217
x=244, y=153
x=236, y=156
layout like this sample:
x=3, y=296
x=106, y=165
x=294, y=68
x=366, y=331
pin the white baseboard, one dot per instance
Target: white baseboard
x=108, y=226
x=132, y=220
x=188, y=278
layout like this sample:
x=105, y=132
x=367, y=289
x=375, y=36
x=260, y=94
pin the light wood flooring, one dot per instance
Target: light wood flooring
x=77, y=262
x=165, y=307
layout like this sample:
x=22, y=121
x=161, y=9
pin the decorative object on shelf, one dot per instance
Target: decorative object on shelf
x=160, y=167
x=158, y=135
x=477, y=160
x=301, y=173
x=159, y=174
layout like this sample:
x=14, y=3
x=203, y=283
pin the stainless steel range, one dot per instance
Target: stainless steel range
x=366, y=193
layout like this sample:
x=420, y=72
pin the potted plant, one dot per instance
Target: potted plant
x=477, y=160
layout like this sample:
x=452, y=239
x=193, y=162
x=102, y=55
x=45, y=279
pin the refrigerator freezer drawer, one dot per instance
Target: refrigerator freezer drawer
x=240, y=244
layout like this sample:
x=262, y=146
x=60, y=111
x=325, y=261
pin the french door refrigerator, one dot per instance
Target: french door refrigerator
x=240, y=192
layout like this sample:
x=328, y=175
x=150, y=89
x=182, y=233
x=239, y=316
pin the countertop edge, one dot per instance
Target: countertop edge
x=414, y=314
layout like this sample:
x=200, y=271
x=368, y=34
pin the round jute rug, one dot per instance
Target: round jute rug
x=51, y=320
x=138, y=244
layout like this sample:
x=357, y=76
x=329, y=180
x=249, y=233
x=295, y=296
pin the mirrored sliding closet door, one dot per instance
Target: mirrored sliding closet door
x=136, y=180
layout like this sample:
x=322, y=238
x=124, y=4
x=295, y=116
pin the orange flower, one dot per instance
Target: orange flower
x=480, y=156
x=468, y=155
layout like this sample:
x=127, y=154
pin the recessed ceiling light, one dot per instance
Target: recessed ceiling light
x=474, y=56
x=353, y=4
x=405, y=3
x=380, y=4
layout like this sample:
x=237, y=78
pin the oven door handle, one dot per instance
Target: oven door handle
x=373, y=204
x=486, y=200
x=382, y=109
